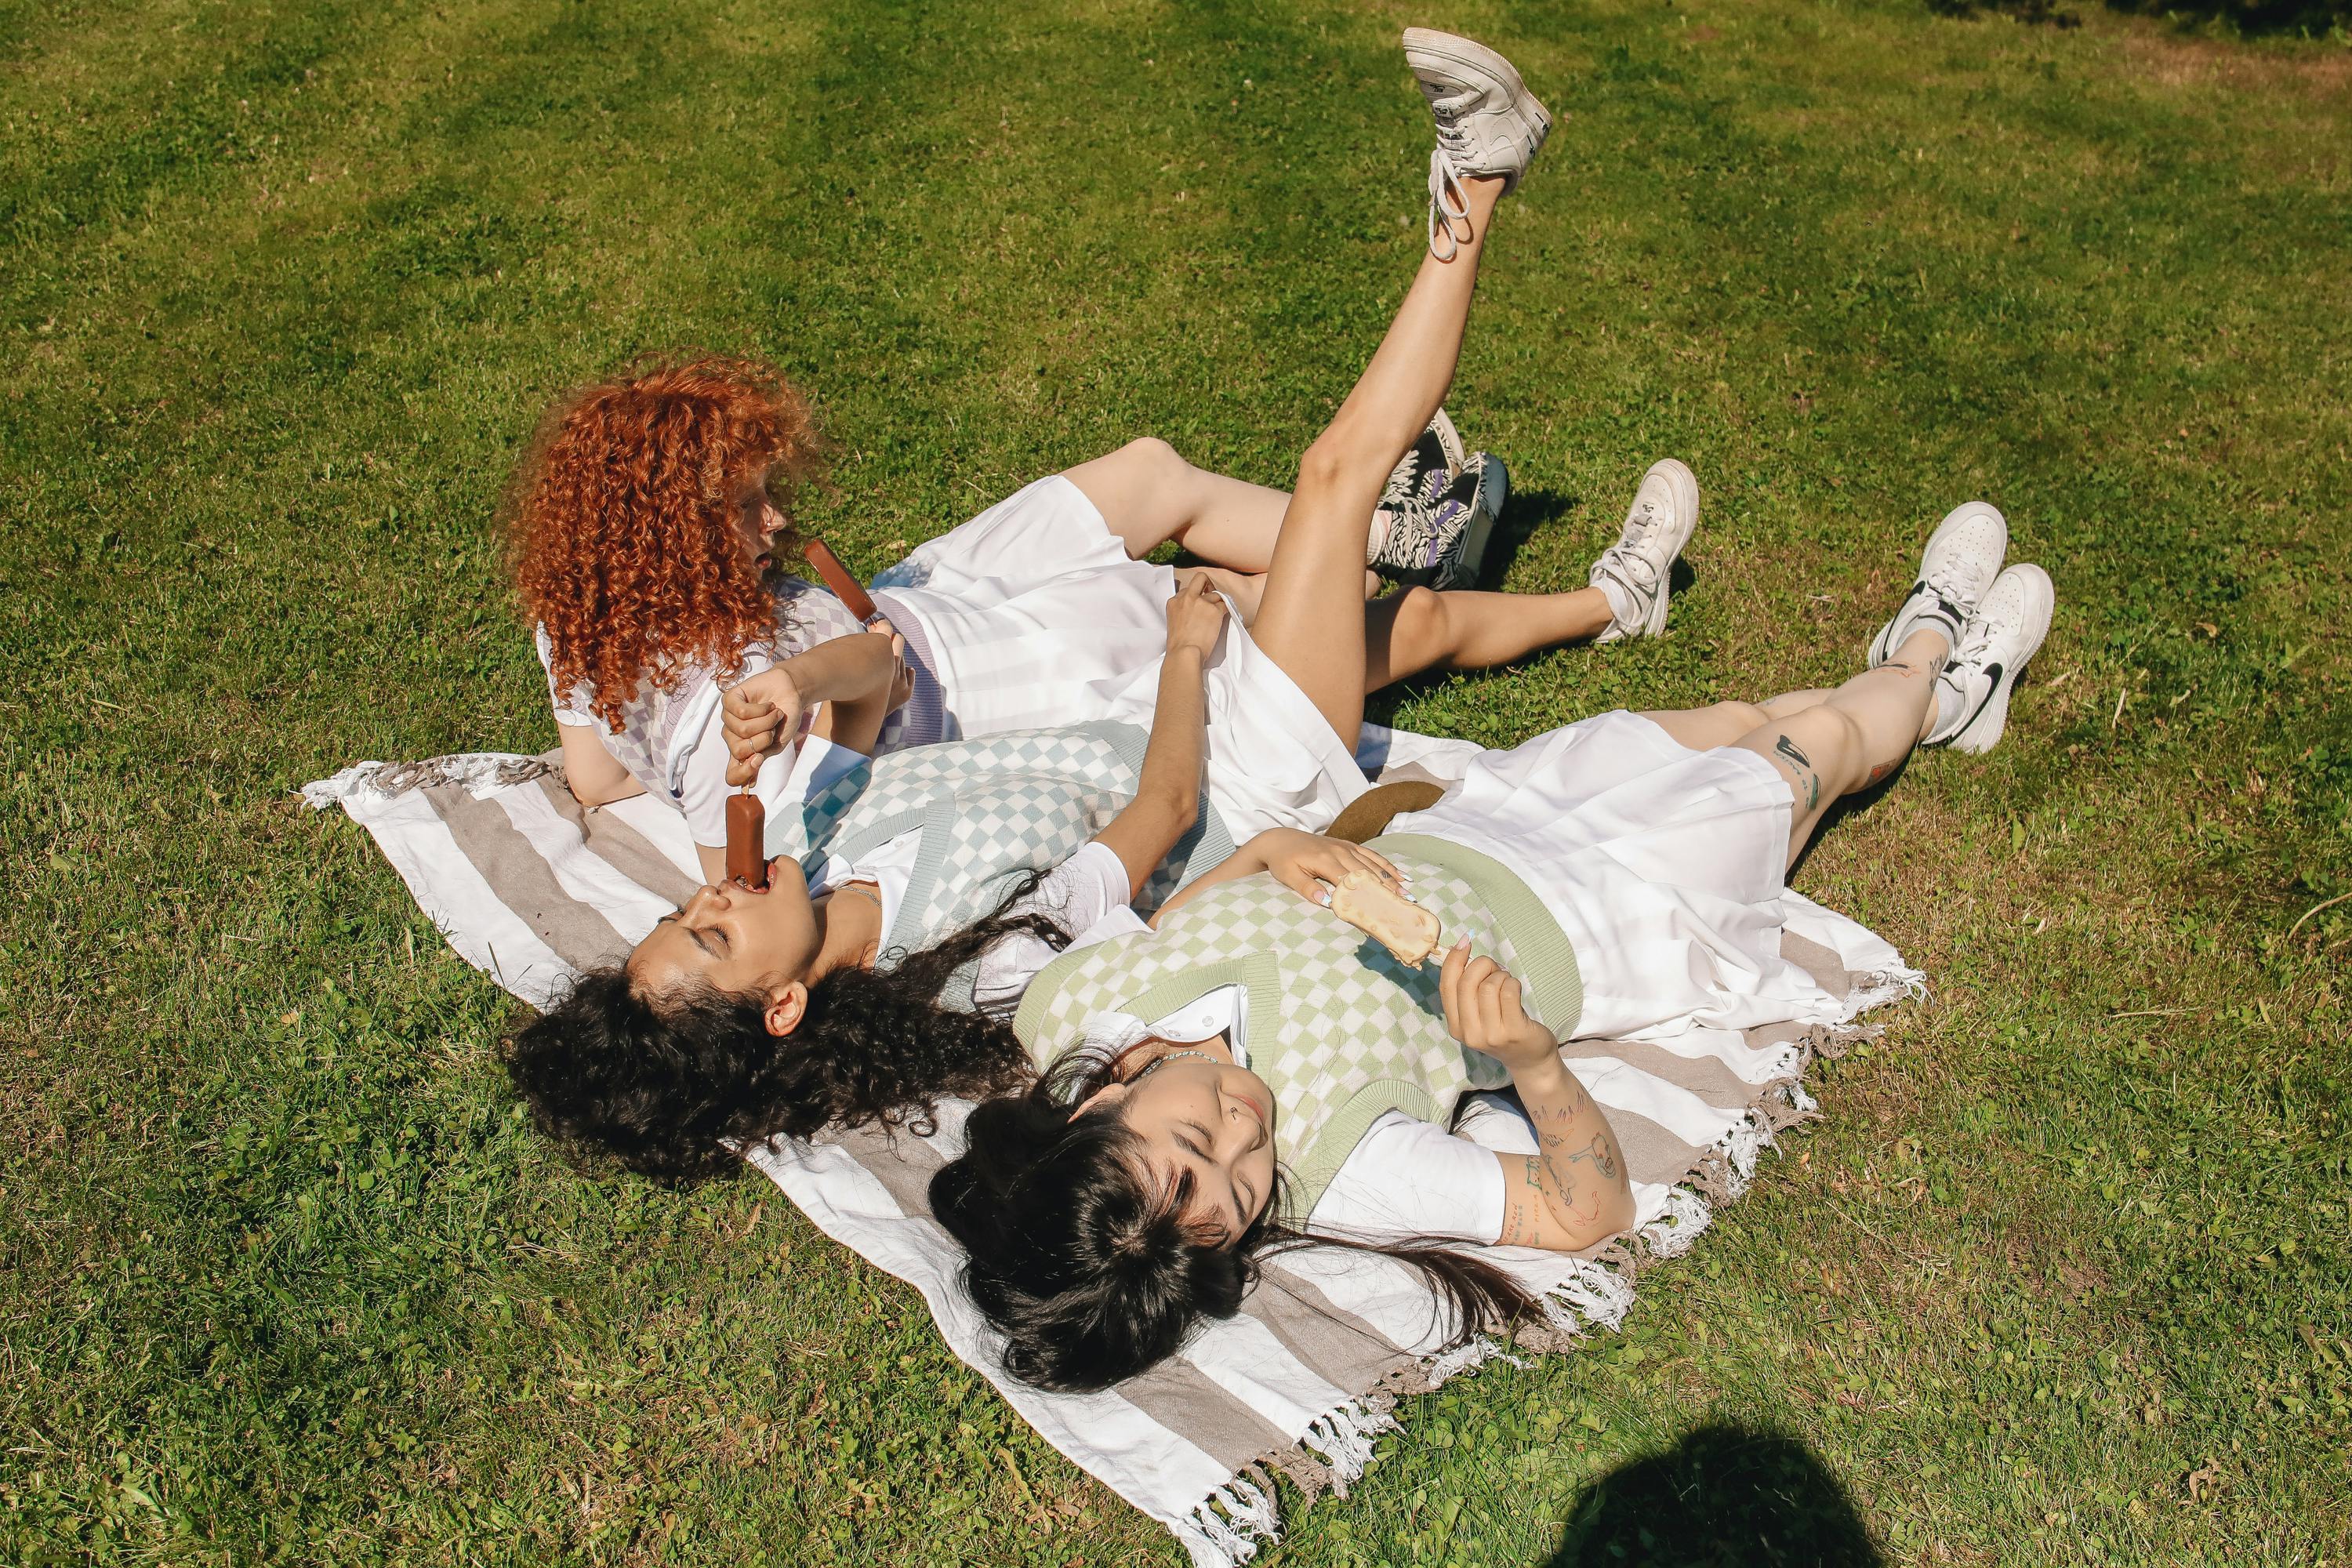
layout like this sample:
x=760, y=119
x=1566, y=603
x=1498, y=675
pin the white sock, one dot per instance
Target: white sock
x=1621, y=607
x=1948, y=698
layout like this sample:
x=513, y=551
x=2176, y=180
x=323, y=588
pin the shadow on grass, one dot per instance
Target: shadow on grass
x=1726, y=1495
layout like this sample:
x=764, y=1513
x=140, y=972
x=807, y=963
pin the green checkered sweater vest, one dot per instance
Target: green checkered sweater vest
x=1339, y=1029
x=990, y=811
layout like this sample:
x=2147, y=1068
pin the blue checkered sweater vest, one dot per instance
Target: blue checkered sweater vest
x=991, y=812
x=1339, y=1029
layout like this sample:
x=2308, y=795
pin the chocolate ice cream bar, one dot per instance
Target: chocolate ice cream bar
x=747, y=841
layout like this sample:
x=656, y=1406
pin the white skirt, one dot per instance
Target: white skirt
x=1034, y=616
x=1031, y=615
x=1664, y=868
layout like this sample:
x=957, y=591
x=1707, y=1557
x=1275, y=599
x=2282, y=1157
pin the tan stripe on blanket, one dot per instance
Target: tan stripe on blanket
x=620, y=845
x=1828, y=970
x=1654, y=1156
x=1709, y=1077
x=1333, y=1342
x=1185, y=1400
x=519, y=873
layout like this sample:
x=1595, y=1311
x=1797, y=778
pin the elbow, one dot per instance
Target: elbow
x=1183, y=811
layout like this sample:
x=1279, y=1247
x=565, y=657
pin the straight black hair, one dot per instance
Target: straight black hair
x=1091, y=1270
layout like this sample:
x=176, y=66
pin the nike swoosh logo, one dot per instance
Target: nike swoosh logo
x=1993, y=670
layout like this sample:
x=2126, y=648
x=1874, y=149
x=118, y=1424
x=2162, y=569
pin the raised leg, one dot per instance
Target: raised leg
x=1311, y=619
x=1150, y=495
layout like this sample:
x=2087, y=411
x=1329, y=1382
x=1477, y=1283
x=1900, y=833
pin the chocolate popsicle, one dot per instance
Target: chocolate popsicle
x=837, y=576
x=747, y=841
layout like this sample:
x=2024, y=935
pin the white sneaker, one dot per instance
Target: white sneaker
x=1488, y=124
x=1632, y=573
x=2004, y=634
x=1956, y=571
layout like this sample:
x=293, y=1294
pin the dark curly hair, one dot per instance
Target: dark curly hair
x=1093, y=1274
x=667, y=1084
x=621, y=519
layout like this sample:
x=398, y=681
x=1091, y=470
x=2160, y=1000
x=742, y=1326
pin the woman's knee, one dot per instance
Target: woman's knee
x=1151, y=457
x=1741, y=718
x=1327, y=463
x=1423, y=623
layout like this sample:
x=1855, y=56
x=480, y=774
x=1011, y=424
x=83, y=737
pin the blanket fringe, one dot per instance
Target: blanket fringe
x=473, y=770
x=1228, y=1526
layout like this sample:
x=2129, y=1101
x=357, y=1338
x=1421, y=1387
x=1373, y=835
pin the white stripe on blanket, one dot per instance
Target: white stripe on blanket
x=533, y=890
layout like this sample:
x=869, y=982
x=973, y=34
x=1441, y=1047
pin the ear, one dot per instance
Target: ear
x=1108, y=1094
x=787, y=1006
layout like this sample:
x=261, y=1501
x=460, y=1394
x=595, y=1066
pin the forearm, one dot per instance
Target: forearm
x=843, y=669
x=1172, y=761
x=854, y=724
x=1579, y=1173
x=1244, y=862
x=1168, y=789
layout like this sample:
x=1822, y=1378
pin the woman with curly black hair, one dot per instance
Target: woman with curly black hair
x=758, y=1013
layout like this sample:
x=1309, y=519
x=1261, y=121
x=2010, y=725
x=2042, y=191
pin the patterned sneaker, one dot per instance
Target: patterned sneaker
x=1956, y=571
x=1632, y=573
x=1420, y=476
x=1488, y=124
x=1443, y=544
x=2005, y=633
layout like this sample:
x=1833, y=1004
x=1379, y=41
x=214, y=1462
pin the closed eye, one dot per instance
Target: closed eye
x=1199, y=1149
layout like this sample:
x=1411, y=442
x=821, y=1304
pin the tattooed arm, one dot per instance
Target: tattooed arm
x=1573, y=1194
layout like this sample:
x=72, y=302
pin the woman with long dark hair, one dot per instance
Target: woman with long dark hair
x=1252, y=1073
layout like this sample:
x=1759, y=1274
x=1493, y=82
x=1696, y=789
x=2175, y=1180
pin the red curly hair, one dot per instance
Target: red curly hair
x=622, y=522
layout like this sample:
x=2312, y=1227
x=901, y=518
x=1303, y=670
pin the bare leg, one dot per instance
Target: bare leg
x=1704, y=728
x=1311, y=621
x=1421, y=629
x=1150, y=495
x=1857, y=735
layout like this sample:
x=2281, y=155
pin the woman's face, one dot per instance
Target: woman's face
x=758, y=521
x=1214, y=1122
x=739, y=941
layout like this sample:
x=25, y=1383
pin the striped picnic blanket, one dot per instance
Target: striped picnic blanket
x=533, y=890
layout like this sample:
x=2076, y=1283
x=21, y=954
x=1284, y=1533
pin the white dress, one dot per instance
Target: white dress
x=1028, y=616
x=1664, y=868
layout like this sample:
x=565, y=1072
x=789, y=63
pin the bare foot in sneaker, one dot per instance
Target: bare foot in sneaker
x=1633, y=572
x=1488, y=126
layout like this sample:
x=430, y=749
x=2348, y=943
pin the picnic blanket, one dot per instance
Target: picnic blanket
x=533, y=890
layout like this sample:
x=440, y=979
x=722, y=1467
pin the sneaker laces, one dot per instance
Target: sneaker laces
x=1445, y=211
x=1632, y=567
x=1975, y=642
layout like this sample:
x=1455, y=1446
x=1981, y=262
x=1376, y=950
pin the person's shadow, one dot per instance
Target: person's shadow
x=1727, y=1496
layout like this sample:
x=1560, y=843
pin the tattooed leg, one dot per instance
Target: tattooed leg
x=1856, y=735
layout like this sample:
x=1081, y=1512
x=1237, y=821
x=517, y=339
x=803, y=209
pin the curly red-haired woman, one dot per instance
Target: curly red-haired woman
x=649, y=515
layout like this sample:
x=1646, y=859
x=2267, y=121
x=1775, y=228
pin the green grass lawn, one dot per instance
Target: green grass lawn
x=2064, y=1276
